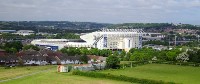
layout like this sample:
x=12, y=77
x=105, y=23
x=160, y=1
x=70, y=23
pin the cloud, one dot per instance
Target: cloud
x=112, y=11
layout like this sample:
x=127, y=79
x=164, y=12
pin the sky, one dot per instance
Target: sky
x=102, y=11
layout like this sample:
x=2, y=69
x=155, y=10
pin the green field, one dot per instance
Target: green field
x=168, y=73
x=18, y=71
x=52, y=77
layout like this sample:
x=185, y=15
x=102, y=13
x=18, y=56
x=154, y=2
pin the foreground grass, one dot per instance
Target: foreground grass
x=52, y=77
x=169, y=73
x=18, y=71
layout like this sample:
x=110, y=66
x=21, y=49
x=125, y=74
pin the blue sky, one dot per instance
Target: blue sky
x=104, y=11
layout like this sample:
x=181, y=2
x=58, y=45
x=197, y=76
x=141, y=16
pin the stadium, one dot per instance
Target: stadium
x=113, y=39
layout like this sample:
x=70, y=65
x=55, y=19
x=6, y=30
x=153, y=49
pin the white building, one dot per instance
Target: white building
x=104, y=39
x=24, y=32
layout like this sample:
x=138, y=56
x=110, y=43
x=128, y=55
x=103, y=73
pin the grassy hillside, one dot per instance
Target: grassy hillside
x=53, y=77
x=169, y=73
x=18, y=71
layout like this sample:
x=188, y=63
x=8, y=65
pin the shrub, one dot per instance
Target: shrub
x=120, y=78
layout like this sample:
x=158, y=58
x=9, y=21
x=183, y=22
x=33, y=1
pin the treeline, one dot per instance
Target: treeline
x=143, y=54
x=188, y=26
x=153, y=25
x=147, y=27
x=114, y=57
x=141, y=25
x=12, y=47
x=16, y=46
x=146, y=54
x=71, y=51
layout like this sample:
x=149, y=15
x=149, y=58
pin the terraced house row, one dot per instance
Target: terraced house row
x=33, y=57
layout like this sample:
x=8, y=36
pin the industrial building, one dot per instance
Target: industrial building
x=114, y=39
x=24, y=32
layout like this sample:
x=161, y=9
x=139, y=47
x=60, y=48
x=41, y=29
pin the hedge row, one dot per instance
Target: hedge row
x=120, y=78
x=162, y=62
x=179, y=63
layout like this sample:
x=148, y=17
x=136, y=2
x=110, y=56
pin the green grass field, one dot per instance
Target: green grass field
x=52, y=77
x=169, y=73
x=18, y=71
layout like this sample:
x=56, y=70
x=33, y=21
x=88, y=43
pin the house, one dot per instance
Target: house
x=94, y=58
x=55, y=57
x=6, y=59
x=32, y=57
x=45, y=56
x=98, y=62
x=9, y=59
x=2, y=57
x=12, y=59
x=70, y=59
x=2, y=52
x=52, y=57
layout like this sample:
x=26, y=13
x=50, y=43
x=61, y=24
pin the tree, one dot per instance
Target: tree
x=112, y=62
x=127, y=57
x=84, y=59
x=183, y=57
x=122, y=55
x=194, y=55
x=26, y=47
x=13, y=50
x=162, y=55
x=94, y=51
x=116, y=54
x=12, y=47
x=138, y=56
x=132, y=50
x=84, y=51
x=171, y=55
x=105, y=52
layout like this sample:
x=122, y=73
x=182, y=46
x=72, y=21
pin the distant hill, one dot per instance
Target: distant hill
x=140, y=25
x=81, y=27
x=153, y=27
x=50, y=24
